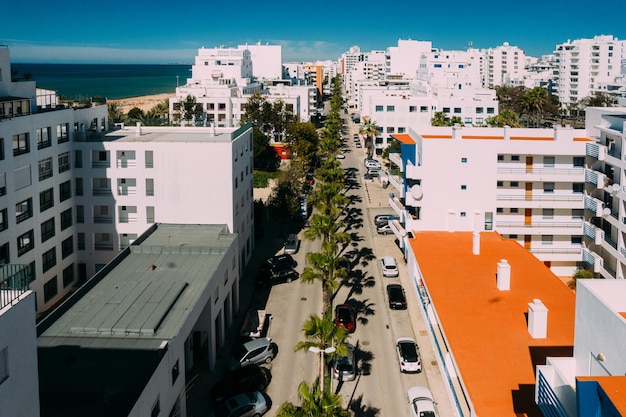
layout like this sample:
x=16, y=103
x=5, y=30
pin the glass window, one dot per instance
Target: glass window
x=62, y=133
x=578, y=214
x=46, y=199
x=446, y=109
x=43, y=138
x=479, y=110
x=379, y=108
x=66, y=218
x=67, y=247
x=548, y=187
x=578, y=187
x=578, y=161
x=457, y=110
x=546, y=239
x=25, y=243
x=64, y=162
x=500, y=157
x=47, y=230
x=391, y=108
x=50, y=289
x=49, y=259
x=514, y=210
x=45, y=169
x=514, y=157
x=423, y=109
x=514, y=184
x=412, y=109
x=23, y=210
x=401, y=129
x=65, y=190
x=490, y=110
x=577, y=240
x=68, y=275
x=548, y=161
x=548, y=213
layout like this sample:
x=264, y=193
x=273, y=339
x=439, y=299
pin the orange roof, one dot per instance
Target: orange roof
x=482, y=137
x=486, y=328
x=436, y=136
x=623, y=314
x=614, y=387
x=531, y=138
x=404, y=138
x=583, y=140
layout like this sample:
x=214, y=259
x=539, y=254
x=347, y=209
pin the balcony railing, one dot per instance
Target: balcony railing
x=103, y=219
x=45, y=174
x=595, y=150
x=101, y=191
x=541, y=171
x=103, y=246
x=538, y=224
x=539, y=197
x=14, y=280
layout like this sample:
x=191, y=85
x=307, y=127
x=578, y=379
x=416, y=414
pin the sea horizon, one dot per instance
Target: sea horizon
x=110, y=81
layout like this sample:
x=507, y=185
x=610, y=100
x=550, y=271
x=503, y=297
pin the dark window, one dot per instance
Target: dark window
x=577, y=240
x=1, y=149
x=80, y=214
x=49, y=259
x=514, y=184
x=499, y=210
x=500, y=184
x=463, y=187
x=64, y=162
x=25, y=243
x=67, y=247
x=31, y=271
x=548, y=187
x=4, y=254
x=479, y=110
x=50, y=289
x=46, y=199
x=423, y=109
x=78, y=186
x=68, y=275
x=62, y=133
x=47, y=230
x=579, y=161
x=412, y=109
x=490, y=110
x=500, y=157
x=379, y=108
x=23, y=210
x=20, y=144
x=175, y=372
x=4, y=221
x=514, y=157
x=66, y=218
x=446, y=109
x=578, y=187
x=65, y=190
x=391, y=108
x=78, y=158
x=514, y=210
x=457, y=110
x=45, y=169
x=43, y=138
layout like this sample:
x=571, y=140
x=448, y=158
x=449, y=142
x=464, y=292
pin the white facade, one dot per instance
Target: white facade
x=452, y=69
x=585, y=65
x=527, y=184
x=19, y=387
x=266, y=60
x=404, y=59
x=504, y=65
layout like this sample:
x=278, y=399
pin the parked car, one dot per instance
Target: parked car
x=355, y=137
x=292, y=244
x=408, y=355
x=372, y=163
x=421, y=402
x=345, y=317
x=248, y=404
x=396, y=296
x=374, y=172
x=310, y=179
x=281, y=261
x=344, y=367
x=389, y=266
x=255, y=351
x=246, y=379
x=383, y=219
x=340, y=155
x=358, y=144
x=384, y=230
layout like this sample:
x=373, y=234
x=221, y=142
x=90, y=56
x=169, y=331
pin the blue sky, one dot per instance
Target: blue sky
x=138, y=31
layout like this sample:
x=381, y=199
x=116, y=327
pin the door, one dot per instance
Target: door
x=528, y=216
x=529, y=164
x=527, y=241
x=529, y=191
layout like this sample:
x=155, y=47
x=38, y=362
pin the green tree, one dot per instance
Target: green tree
x=506, y=117
x=440, y=119
x=303, y=141
x=370, y=129
x=135, y=114
x=599, y=99
x=315, y=402
x=191, y=110
x=533, y=103
x=116, y=115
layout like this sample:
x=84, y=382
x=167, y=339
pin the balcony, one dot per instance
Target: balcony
x=126, y=190
x=396, y=158
x=537, y=227
x=541, y=174
x=596, y=150
x=595, y=234
x=593, y=205
x=14, y=281
x=397, y=206
x=398, y=183
x=593, y=260
x=103, y=219
x=103, y=246
x=101, y=191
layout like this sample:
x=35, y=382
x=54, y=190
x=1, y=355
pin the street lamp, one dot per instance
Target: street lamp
x=315, y=349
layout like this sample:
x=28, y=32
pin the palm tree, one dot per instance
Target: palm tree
x=533, y=102
x=315, y=402
x=321, y=333
x=440, y=119
x=115, y=113
x=369, y=128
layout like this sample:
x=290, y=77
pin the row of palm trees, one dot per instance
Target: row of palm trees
x=326, y=267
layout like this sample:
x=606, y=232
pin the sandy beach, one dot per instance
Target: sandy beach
x=145, y=103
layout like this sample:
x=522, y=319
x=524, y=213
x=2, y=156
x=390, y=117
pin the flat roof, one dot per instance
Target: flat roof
x=176, y=134
x=146, y=298
x=486, y=328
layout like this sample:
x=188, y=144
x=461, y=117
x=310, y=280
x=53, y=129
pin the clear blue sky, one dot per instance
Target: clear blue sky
x=139, y=31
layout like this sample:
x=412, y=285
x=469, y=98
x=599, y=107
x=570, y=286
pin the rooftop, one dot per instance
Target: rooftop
x=486, y=328
x=175, y=134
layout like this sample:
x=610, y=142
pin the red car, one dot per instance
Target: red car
x=345, y=317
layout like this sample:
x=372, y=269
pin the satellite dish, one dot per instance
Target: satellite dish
x=417, y=192
x=615, y=188
x=606, y=211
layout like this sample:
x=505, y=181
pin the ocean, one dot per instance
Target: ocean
x=79, y=81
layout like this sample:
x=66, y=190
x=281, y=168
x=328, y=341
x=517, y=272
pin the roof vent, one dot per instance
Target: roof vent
x=503, y=276
x=476, y=243
x=537, y=319
x=138, y=129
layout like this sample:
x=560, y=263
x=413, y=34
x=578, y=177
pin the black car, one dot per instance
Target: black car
x=277, y=269
x=278, y=262
x=397, y=299
x=246, y=379
x=345, y=317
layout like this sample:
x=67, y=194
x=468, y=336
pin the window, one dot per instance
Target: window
x=514, y=184
x=4, y=364
x=391, y=129
x=149, y=159
x=78, y=158
x=548, y=213
x=468, y=121
x=512, y=236
x=25, y=243
x=66, y=218
x=65, y=190
x=1, y=149
x=423, y=109
x=514, y=210
x=490, y=110
x=391, y=109
x=412, y=109
x=62, y=133
x=401, y=129
x=80, y=241
x=578, y=187
x=514, y=157
x=379, y=108
x=457, y=110
x=548, y=187
x=577, y=240
x=546, y=239
x=23, y=210
x=500, y=184
x=4, y=254
x=437, y=65
x=479, y=110
x=46, y=199
x=175, y=372
x=47, y=230
x=49, y=259
x=578, y=214
x=67, y=247
x=578, y=161
x=68, y=275
x=463, y=214
x=500, y=157
x=45, y=169
x=499, y=210
x=4, y=221
x=50, y=289
x=78, y=186
x=149, y=186
x=548, y=161
x=64, y=162
x=479, y=120
x=43, y=138
x=463, y=187
x=446, y=109
x=464, y=160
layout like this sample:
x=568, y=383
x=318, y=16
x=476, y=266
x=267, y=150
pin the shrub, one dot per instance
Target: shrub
x=582, y=273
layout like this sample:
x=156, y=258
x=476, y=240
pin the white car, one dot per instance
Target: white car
x=408, y=355
x=372, y=164
x=248, y=404
x=421, y=402
x=340, y=156
x=389, y=266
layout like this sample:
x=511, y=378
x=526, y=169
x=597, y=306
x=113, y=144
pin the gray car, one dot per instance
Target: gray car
x=256, y=351
x=344, y=367
x=292, y=244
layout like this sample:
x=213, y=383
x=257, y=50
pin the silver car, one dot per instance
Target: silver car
x=243, y=405
x=344, y=367
x=255, y=351
x=292, y=244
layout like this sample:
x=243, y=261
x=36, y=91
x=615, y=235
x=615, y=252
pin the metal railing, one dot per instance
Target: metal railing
x=538, y=224
x=537, y=197
x=541, y=171
x=14, y=280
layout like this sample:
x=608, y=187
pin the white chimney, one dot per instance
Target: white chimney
x=503, y=276
x=537, y=319
x=476, y=243
x=138, y=129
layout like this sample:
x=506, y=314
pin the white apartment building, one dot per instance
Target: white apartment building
x=451, y=69
x=37, y=184
x=349, y=59
x=404, y=59
x=605, y=197
x=526, y=184
x=19, y=388
x=504, y=65
x=223, y=79
x=585, y=65
x=592, y=380
x=370, y=69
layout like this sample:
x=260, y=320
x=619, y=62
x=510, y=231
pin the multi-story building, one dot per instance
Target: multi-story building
x=37, y=185
x=452, y=69
x=404, y=59
x=349, y=59
x=19, y=388
x=125, y=343
x=585, y=65
x=526, y=184
x=605, y=196
x=504, y=65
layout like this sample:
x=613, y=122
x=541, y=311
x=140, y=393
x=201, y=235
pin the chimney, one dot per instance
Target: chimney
x=138, y=129
x=476, y=243
x=503, y=276
x=537, y=319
